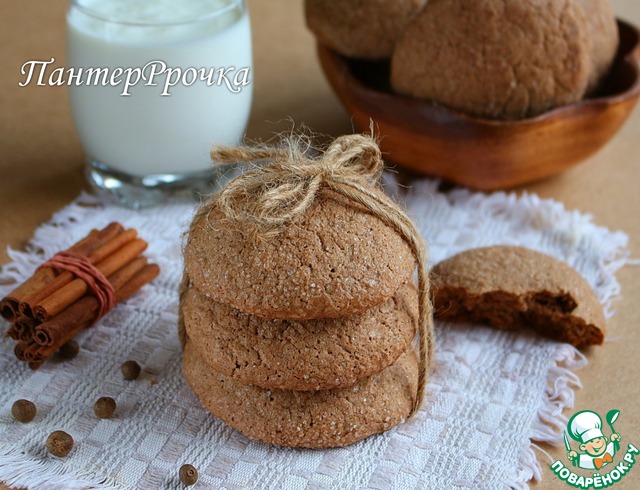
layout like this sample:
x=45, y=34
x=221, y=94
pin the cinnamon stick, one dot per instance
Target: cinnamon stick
x=19, y=349
x=18, y=327
x=80, y=315
x=84, y=310
x=113, y=245
x=76, y=289
x=26, y=327
x=22, y=330
x=40, y=356
x=65, y=277
x=146, y=275
x=10, y=305
x=31, y=352
x=36, y=364
x=12, y=333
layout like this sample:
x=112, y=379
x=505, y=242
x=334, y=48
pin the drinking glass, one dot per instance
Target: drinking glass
x=155, y=83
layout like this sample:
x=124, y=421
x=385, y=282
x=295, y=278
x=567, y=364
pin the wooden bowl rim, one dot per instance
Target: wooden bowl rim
x=631, y=58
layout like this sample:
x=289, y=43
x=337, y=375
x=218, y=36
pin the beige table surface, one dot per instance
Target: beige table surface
x=41, y=161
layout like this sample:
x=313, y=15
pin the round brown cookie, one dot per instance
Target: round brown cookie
x=603, y=37
x=495, y=59
x=314, y=419
x=301, y=355
x=360, y=28
x=335, y=260
x=515, y=287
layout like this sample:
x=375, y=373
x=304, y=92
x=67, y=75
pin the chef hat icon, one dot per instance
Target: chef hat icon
x=585, y=425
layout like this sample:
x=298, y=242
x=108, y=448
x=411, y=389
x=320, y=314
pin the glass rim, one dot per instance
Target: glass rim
x=233, y=4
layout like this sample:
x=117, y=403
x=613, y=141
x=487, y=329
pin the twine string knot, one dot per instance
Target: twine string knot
x=274, y=194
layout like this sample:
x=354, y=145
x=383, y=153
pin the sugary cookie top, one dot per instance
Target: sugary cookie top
x=314, y=419
x=335, y=260
x=495, y=58
x=301, y=355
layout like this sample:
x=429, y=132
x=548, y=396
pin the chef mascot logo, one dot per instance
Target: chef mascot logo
x=595, y=452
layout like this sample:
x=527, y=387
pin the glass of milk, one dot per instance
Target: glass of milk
x=153, y=85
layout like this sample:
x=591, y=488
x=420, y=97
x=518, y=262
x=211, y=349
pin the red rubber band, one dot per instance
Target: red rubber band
x=80, y=267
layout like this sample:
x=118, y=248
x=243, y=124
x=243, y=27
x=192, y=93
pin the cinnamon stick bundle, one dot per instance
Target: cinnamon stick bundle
x=111, y=244
x=10, y=305
x=55, y=303
x=77, y=288
x=84, y=311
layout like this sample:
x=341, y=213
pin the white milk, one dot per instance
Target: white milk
x=145, y=133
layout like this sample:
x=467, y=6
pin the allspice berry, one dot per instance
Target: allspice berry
x=59, y=443
x=130, y=370
x=188, y=475
x=104, y=407
x=23, y=411
x=70, y=349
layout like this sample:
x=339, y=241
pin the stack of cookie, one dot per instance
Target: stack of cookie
x=303, y=339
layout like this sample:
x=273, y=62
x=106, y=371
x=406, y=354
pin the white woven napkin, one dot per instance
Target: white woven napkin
x=492, y=392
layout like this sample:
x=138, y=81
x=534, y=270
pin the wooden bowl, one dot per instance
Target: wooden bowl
x=482, y=153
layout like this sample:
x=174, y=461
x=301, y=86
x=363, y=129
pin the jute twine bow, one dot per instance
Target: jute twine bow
x=272, y=195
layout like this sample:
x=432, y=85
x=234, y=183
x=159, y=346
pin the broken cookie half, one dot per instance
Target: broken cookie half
x=513, y=288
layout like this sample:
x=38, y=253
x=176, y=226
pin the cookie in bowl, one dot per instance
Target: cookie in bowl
x=360, y=28
x=496, y=59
